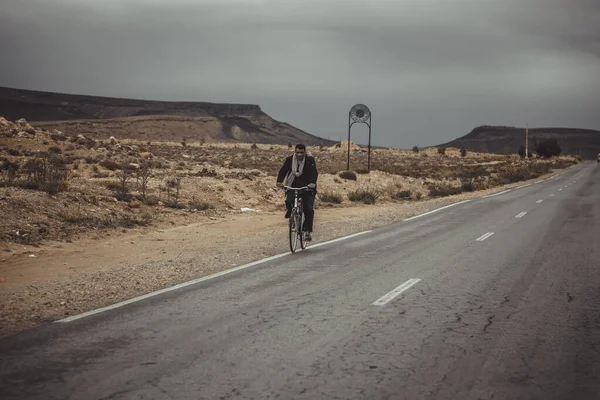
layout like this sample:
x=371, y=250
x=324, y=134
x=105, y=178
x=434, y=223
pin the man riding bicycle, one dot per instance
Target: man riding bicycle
x=298, y=170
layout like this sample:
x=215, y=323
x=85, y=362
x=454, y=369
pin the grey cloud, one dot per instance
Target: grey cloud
x=430, y=70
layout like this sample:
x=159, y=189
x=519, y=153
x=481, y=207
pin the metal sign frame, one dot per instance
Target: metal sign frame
x=360, y=114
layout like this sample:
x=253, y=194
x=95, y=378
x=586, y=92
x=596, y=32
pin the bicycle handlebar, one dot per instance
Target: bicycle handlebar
x=300, y=188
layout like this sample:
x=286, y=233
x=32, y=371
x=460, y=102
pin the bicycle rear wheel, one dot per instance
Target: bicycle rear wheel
x=301, y=233
x=293, y=230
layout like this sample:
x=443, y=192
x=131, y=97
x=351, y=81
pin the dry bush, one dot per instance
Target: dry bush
x=9, y=170
x=143, y=175
x=330, y=197
x=109, y=164
x=124, y=175
x=348, y=175
x=443, y=189
x=402, y=195
x=47, y=172
x=200, y=205
x=367, y=196
x=173, y=187
x=468, y=185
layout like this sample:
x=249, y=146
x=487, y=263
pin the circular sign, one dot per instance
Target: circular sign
x=360, y=113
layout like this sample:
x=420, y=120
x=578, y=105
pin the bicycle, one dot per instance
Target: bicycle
x=296, y=220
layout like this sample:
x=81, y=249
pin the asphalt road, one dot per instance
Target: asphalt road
x=513, y=315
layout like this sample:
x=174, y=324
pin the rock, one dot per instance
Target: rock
x=113, y=140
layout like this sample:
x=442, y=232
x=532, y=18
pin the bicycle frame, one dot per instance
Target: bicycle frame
x=296, y=218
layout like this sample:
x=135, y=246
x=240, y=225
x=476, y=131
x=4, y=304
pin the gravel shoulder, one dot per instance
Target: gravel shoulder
x=63, y=279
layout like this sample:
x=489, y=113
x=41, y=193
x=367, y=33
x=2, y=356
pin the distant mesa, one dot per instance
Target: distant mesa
x=102, y=117
x=507, y=140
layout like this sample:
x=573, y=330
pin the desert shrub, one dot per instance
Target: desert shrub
x=441, y=150
x=443, y=189
x=173, y=187
x=521, y=151
x=330, y=197
x=468, y=185
x=463, y=152
x=558, y=165
x=151, y=200
x=541, y=168
x=200, y=205
x=514, y=174
x=415, y=149
x=143, y=175
x=109, y=164
x=57, y=137
x=348, y=175
x=362, y=171
x=14, y=152
x=47, y=172
x=367, y=196
x=402, y=195
x=9, y=170
x=254, y=146
x=55, y=150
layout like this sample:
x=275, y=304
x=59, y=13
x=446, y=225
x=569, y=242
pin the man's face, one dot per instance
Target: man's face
x=300, y=153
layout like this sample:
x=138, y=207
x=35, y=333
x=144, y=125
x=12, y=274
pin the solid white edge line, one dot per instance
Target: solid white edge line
x=521, y=215
x=383, y=300
x=337, y=240
x=496, y=194
x=436, y=210
x=485, y=236
x=194, y=281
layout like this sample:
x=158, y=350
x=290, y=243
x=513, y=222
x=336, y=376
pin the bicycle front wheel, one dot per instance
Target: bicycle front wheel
x=301, y=234
x=293, y=231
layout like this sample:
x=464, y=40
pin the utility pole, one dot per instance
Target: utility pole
x=527, y=139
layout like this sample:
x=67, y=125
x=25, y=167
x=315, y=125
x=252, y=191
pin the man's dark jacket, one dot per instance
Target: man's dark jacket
x=309, y=173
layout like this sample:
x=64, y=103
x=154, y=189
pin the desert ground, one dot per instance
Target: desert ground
x=87, y=222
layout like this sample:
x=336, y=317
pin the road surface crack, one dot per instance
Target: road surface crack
x=570, y=298
x=490, y=318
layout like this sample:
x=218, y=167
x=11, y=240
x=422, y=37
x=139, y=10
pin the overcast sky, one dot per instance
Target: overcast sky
x=430, y=70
